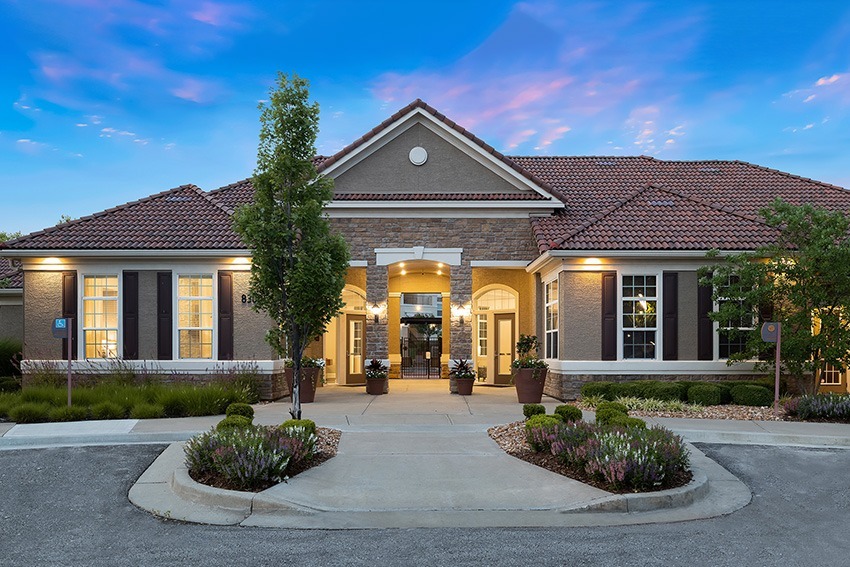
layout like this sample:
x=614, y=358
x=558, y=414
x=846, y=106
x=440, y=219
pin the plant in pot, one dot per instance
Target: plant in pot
x=529, y=372
x=311, y=374
x=464, y=375
x=376, y=377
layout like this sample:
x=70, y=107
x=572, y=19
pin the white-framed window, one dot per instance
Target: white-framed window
x=482, y=334
x=550, y=294
x=100, y=316
x=732, y=334
x=639, y=316
x=831, y=376
x=195, y=316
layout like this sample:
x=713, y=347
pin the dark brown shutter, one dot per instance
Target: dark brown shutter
x=69, y=309
x=705, y=326
x=163, y=316
x=670, y=310
x=609, y=315
x=130, y=312
x=225, y=315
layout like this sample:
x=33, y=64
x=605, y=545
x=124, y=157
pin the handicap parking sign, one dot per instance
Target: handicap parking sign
x=60, y=328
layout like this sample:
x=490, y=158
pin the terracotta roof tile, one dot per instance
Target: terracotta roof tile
x=13, y=274
x=178, y=219
x=439, y=197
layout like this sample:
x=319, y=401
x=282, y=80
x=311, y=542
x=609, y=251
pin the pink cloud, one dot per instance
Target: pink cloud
x=193, y=90
x=552, y=135
x=828, y=80
x=217, y=14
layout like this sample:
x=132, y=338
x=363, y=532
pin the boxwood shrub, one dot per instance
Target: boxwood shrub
x=626, y=421
x=568, y=412
x=540, y=430
x=238, y=408
x=666, y=391
x=308, y=424
x=595, y=389
x=233, y=422
x=529, y=410
x=704, y=394
x=606, y=414
x=751, y=395
x=614, y=405
x=635, y=389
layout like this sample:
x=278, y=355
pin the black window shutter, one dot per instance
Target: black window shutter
x=225, y=315
x=163, y=316
x=609, y=315
x=69, y=309
x=705, y=326
x=130, y=313
x=670, y=309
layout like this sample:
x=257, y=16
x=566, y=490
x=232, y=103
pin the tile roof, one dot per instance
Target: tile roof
x=598, y=189
x=611, y=202
x=184, y=218
x=13, y=274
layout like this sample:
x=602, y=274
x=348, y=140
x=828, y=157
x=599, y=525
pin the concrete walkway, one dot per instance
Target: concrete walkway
x=421, y=457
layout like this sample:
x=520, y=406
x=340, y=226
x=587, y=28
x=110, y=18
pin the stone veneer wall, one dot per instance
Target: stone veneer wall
x=568, y=386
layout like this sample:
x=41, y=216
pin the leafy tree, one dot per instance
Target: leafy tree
x=802, y=281
x=4, y=236
x=299, y=266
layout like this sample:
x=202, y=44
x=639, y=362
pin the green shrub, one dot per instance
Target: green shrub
x=9, y=384
x=30, y=412
x=7, y=402
x=10, y=356
x=705, y=394
x=529, y=410
x=238, y=408
x=172, y=402
x=147, y=411
x=308, y=424
x=73, y=413
x=233, y=422
x=595, y=389
x=568, y=412
x=626, y=421
x=665, y=391
x=107, y=410
x=634, y=389
x=606, y=414
x=751, y=395
x=592, y=401
x=45, y=395
x=614, y=405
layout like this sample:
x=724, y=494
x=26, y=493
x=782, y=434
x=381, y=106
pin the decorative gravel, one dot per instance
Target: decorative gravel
x=729, y=411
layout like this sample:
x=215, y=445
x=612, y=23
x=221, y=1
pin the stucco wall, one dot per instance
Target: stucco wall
x=581, y=315
x=356, y=277
x=249, y=326
x=42, y=304
x=447, y=170
x=688, y=318
x=12, y=322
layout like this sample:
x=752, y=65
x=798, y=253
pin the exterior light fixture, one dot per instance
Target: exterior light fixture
x=460, y=311
x=376, y=311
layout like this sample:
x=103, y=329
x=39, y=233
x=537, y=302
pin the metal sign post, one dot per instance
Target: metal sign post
x=62, y=330
x=772, y=333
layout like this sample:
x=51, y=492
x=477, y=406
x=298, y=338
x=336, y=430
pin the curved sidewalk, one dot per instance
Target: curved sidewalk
x=421, y=457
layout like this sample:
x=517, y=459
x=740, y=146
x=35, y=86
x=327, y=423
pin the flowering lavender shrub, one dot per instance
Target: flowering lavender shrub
x=248, y=457
x=824, y=406
x=622, y=458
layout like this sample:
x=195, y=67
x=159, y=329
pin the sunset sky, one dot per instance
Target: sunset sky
x=107, y=101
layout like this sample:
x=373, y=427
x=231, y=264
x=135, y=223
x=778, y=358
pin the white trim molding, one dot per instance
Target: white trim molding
x=649, y=366
x=509, y=264
x=104, y=366
x=387, y=256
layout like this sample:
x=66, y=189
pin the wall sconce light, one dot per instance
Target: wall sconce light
x=376, y=311
x=460, y=310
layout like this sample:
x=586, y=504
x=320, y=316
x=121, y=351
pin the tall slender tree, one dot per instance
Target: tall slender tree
x=299, y=265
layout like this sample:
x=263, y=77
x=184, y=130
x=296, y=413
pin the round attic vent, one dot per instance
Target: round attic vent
x=418, y=155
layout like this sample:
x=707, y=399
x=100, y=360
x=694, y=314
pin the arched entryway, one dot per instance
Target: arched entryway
x=345, y=340
x=495, y=318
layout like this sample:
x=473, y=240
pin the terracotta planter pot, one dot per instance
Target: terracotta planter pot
x=464, y=386
x=309, y=378
x=529, y=384
x=376, y=386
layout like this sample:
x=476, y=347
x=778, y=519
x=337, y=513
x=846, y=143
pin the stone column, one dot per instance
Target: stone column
x=377, y=340
x=460, y=342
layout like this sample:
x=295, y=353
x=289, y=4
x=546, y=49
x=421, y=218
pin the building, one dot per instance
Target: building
x=450, y=241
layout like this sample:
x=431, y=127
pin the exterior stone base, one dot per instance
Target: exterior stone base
x=568, y=386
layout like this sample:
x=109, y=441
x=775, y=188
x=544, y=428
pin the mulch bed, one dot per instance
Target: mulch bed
x=327, y=443
x=511, y=438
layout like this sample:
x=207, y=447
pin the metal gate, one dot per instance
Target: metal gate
x=420, y=356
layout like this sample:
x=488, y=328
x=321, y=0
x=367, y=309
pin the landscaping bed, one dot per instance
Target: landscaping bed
x=512, y=439
x=729, y=411
x=327, y=442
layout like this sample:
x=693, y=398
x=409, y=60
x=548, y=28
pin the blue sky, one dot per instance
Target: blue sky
x=107, y=101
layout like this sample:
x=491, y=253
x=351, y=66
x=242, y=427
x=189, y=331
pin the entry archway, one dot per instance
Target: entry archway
x=495, y=311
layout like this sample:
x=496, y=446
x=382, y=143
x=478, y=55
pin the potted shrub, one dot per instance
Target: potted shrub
x=311, y=374
x=529, y=372
x=464, y=375
x=376, y=377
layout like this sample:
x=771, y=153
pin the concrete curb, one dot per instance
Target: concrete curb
x=167, y=490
